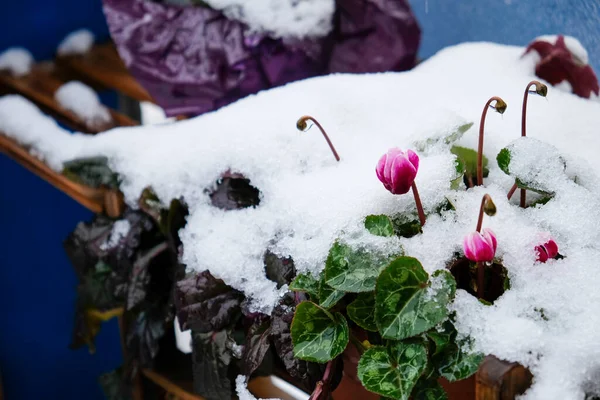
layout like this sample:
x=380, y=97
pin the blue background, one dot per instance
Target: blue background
x=37, y=284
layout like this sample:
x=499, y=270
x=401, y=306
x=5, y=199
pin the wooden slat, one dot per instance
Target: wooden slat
x=102, y=67
x=95, y=199
x=169, y=386
x=501, y=380
x=40, y=85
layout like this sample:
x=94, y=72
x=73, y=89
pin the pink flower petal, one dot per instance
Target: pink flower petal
x=403, y=174
x=551, y=248
x=542, y=255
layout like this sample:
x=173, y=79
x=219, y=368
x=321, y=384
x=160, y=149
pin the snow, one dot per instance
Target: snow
x=119, y=231
x=16, y=60
x=547, y=321
x=77, y=42
x=242, y=390
x=83, y=101
x=281, y=18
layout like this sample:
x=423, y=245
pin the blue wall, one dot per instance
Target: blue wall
x=447, y=22
x=37, y=282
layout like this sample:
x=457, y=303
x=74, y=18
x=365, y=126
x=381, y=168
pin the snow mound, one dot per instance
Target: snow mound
x=547, y=320
x=77, y=42
x=281, y=18
x=16, y=60
x=83, y=102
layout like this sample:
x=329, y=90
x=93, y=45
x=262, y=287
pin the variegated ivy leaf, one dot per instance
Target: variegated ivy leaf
x=362, y=311
x=407, y=303
x=394, y=370
x=379, y=225
x=317, y=334
x=456, y=364
x=429, y=390
x=354, y=270
x=328, y=296
x=306, y=283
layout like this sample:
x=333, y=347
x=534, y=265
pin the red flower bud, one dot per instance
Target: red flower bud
x=559, y=63
x=397, y=170
x=480, y=246
x=546, y=251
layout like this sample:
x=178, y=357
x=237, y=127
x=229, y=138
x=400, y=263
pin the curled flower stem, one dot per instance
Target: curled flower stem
x=302, y=126
x=487, y=206
x=541, y=90
x=419, y=204
x=500, y=107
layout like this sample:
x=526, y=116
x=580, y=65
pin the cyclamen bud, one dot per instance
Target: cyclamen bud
x=546, y=251
x=480, y=246
x=397, y=170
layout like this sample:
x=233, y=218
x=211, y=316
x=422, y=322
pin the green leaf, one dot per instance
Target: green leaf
x=362, y=311
x=91, y=171
x=379, y=225
x=461, y=168
x=469, y=158
x=429, y=389
x=394, y=370
x=528, y=186
x=442, y=338
x=306, y=283
x=317, y=334
x=354, y=270
x=503, y=159
x=328, y=296
x=406, y=225
x=458, y=365
x=406, y=303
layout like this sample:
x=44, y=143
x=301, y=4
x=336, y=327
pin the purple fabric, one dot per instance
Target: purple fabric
x=193, y=60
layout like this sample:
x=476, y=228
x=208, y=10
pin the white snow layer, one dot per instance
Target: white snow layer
x=16, y=60
x=281, y=18
x=77, y=42
x=83, y=102
x=308, y=199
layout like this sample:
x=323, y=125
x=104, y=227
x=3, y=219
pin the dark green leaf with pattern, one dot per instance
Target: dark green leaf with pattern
x=429, y=389
x=379, y=225
x=354, y=270
x=407, y=303
x=394, y=370
x=306, y=283
x=362, y=311
x=318, y=335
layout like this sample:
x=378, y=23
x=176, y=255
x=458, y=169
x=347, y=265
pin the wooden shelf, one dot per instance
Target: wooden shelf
x=102, y=67
x=40, y=85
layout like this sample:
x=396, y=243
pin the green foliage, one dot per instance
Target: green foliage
x=461, y=169
x=306, y=283
x=406, y=226
x=361, y=311
x=394, y=370
x=453, y=137
x=91, y=171
x=406, y=304
x=379, y=225
x=503, y=159
x=317, y=334
x=354, y=270
x=469, y=159
x=328, y=296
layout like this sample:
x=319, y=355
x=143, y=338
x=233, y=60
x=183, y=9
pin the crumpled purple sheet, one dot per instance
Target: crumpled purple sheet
x=193, y=60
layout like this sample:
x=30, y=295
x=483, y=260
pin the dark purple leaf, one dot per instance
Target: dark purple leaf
x=143, y=335
x=257, y=345
x=278, y=269
x=211, y=358
x=234, y=192
x=206, y=304
x=139, y=278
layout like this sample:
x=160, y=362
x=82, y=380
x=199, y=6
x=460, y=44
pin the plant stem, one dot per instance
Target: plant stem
x=499, y=107
x=480, y=278
x=322, y=387
x=486, y=198
x=512, y=191
x=301, y=125
x=418, y=203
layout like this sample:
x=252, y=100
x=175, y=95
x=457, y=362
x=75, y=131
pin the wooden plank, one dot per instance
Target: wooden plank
x=169, y=386
x=501, y=380
x=96, y=200
x=40, y=85
x=102, y=67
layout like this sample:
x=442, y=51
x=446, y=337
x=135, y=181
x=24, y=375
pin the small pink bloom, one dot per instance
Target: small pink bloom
x=397, y=170
x=480, y=246
x=546, y=251
x=558, y=63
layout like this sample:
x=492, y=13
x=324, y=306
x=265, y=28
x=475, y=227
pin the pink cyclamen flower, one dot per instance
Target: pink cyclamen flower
x=562, y=60
x=397, y=170
x=480, y=246
x=546, y=251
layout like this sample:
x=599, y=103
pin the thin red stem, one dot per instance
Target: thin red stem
x=512, y=191
x=481, y=130
x=480, y=279
x=419, y=204
x=485, y=199
x=301, y=124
